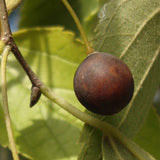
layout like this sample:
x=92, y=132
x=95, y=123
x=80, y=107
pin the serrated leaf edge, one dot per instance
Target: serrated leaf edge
x=60, y=28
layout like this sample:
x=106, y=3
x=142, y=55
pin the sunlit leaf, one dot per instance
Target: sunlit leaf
x=45, y=131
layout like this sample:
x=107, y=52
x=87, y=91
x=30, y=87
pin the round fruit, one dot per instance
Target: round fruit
x=103, y=84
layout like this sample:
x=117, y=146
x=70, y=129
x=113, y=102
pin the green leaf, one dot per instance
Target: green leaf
x=130, y=30
x=45, y=131
x=88, y=14
x=156, y=101
x=148, y=136
x=91, y=139
x=113, y=149
x=139, y=48
x=40, y=13
x=3, y=135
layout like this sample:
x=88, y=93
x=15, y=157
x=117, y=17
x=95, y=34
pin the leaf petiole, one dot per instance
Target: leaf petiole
x=5, y=53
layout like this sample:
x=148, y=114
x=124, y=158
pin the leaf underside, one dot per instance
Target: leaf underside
x=129, y=29
x=148, y=136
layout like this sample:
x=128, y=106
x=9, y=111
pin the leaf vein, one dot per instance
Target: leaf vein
x=55, y=137
x=140, y=85
x=139, y=31
x=51, y=56
x=110, y=20
x=115, y=149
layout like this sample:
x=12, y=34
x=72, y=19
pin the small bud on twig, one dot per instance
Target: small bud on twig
x=35, y=95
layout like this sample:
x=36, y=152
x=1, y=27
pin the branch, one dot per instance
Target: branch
x=32, y=76
x=107, y=129
x=5, y=28
x=6, y=37
x=5, y=103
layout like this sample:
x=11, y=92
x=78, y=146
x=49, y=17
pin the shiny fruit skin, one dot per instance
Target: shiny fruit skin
x=103, y=84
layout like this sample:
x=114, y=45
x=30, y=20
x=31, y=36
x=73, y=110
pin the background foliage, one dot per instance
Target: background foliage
x=129, y=29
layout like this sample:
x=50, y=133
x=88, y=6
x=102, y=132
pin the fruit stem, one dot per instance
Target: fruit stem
x=5, y=53
x=77, y=22
x=105, y=127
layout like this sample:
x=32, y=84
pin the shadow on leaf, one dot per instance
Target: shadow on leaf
x=49, y=139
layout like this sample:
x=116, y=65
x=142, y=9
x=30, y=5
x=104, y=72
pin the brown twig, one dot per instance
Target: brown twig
x=6, y=37
x=5, y=28
x=33, y=78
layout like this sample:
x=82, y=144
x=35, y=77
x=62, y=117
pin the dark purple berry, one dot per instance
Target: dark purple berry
x=103, y=84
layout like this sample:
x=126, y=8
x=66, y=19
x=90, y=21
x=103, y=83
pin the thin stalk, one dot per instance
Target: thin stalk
x=77, y=22
x=31, y=75
x=105, y=127
x=5, y=53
